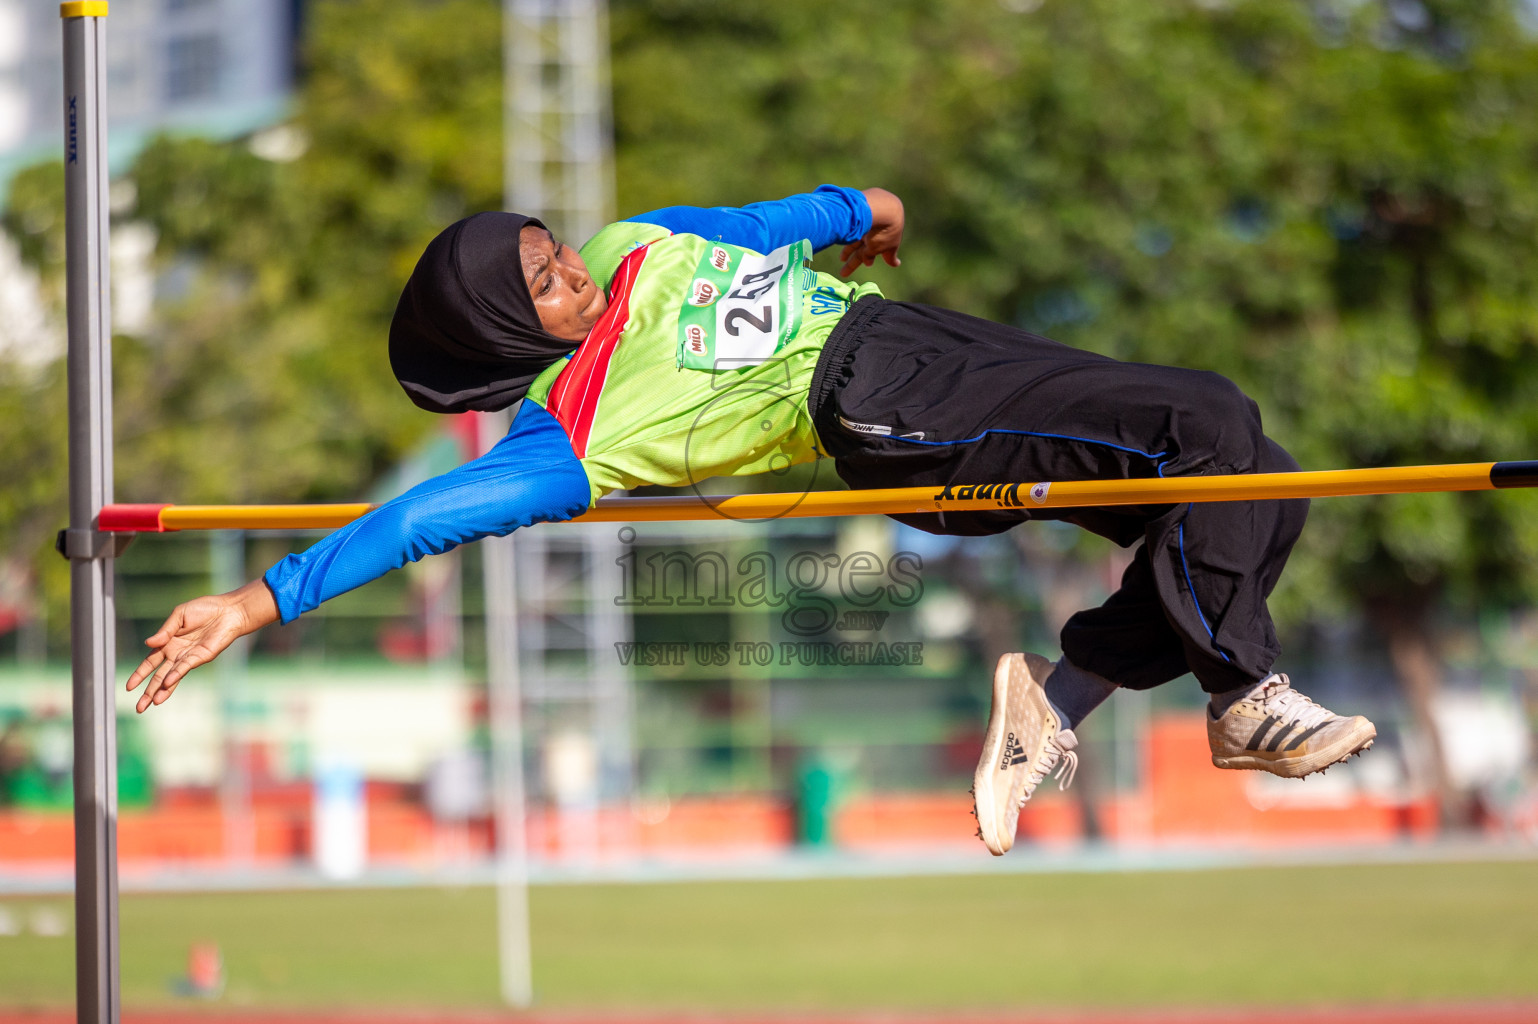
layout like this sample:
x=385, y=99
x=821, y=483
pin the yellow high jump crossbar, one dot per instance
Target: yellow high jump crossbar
x=1470, y=476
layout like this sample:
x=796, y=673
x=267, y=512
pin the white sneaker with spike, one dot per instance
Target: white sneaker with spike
x=1024, y=743
x=1276, y=729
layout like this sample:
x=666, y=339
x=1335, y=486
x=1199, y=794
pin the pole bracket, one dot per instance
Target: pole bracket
x=91, y=544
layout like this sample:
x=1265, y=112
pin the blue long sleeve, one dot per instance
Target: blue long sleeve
x=531, y=476
x=828, y=216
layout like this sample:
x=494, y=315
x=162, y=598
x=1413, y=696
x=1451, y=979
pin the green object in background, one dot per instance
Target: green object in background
x=819, y=786
x=42, y=746
x=135, y=783
x=33, y=789
x=45, y=783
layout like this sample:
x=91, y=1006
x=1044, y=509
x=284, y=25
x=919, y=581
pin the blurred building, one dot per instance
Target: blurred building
x=213, y=67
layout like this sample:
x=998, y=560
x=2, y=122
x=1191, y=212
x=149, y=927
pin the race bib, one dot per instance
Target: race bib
x=741, y=307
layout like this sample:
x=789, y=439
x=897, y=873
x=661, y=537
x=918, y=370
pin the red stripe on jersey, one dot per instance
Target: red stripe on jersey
x=574, y=395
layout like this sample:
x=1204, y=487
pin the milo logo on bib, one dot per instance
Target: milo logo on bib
x=741, y=307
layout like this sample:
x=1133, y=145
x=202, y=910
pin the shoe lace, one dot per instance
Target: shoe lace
x=1277, y=697
x=1060, y=754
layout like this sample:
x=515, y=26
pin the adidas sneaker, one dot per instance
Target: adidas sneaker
x=1025, y=741
x=1276, y=729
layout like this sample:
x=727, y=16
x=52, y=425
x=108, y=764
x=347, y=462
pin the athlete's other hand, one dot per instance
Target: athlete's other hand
x=884, y=236
x=196, y=633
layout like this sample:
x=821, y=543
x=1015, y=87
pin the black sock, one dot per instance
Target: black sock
x=1075, y=692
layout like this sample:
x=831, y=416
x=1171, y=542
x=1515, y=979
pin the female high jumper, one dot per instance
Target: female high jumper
x=688, y=343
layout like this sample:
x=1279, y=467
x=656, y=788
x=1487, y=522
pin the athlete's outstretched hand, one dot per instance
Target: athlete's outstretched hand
x=884, y=236
x=196, y=633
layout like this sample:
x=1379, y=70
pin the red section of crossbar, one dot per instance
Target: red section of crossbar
x=131, y=519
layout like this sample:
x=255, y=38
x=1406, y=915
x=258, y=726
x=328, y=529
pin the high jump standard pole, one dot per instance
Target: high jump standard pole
x=90, y=552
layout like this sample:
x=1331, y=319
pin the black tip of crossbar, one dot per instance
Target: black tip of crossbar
x=1514, y=474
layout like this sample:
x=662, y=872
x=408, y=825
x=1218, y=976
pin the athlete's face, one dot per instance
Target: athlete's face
x=566, y=298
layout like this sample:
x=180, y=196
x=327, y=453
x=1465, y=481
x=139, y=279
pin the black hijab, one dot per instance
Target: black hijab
x=465, y=333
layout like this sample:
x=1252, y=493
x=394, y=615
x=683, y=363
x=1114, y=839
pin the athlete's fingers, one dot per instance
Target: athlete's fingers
x=152, y=686
x=891, y=258
x=166, y=691
x=153, y=692
x=853, y=257
x=157, y=679
x=146, y=667
x=194, y=657
x=148, y=695
x=188, y=658
x=173, y=625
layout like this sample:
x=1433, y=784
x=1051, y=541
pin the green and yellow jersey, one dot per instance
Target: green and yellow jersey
x=700, y=366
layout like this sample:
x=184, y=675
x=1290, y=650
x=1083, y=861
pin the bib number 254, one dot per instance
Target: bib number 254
x=753, y=311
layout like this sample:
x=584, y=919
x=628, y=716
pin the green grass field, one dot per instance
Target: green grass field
x=1337, y=934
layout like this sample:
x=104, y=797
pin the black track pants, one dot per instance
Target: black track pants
x=909, y=395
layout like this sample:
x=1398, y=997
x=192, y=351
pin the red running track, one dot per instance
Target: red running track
x=1447, y=1013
